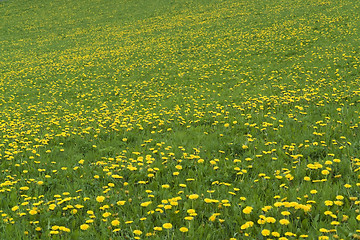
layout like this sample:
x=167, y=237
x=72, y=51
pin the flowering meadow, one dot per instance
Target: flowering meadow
x=180, y=119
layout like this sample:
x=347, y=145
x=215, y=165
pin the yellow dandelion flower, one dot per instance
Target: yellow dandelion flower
x=184, y=229
x=100, y=199
x=115, y=222
x=167, y=225
x=84, y=227
x=247, y=210
x=284, y=221
x=14, y=208
x=265, y=232
x=137, y=232
x=33, y=212
x=193, y=196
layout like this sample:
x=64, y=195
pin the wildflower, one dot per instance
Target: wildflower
x=167, y=225
x=284, y=221
x=270, y=220
x=106, y=214
x=184, y=229
x=193, y=196
x=14, y=208
x=265, y=232
x=115, y=222
x=100, y=199
x=145, y=204
x=275, y=234
x=137, y=232
x=247, y=210
x=84, y=227
x=33, y=212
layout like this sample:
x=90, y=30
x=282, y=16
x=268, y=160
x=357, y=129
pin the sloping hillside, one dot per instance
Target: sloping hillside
x=179, y=119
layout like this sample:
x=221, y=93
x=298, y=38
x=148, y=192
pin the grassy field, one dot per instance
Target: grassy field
x=179, y=119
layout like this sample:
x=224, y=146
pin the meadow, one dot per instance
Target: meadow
x=180, y=119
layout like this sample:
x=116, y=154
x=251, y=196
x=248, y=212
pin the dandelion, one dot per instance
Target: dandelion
x=184, y=229
x=14, y=208
x=84, y=227
x=33, y=212
x=284, y=221
x=247, y=210
x=265, y=232
x=167, y=225
x=193, y=196
x=106, y=214
x=145, y=204
x=115, y=222
x=137, y=232
x=100, y=199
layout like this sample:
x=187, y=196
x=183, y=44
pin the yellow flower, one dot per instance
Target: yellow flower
x=284, y=222
x=270, y=220
x=167, y=225
x=33, y=212
x=265, y=232
x=212, y=218
x=275, y=234
x=184, y=229
x=84, y=227
x=247, y=225
x=115, y=222
x=64, y=229
x=325, y=172
x=247, y=210
x=15, y=208
x=285, y=213
x=157, y=228
x=137, y=232
x=100, y=199
x=193, y=196
x=120, y=203
x=106, y=214
x=145, y=204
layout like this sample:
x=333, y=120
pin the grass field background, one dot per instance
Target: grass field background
x=179, y=119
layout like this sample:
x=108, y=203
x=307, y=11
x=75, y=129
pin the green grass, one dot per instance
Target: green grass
x=243, y=103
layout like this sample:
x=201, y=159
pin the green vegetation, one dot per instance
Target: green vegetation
x=179, y=119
